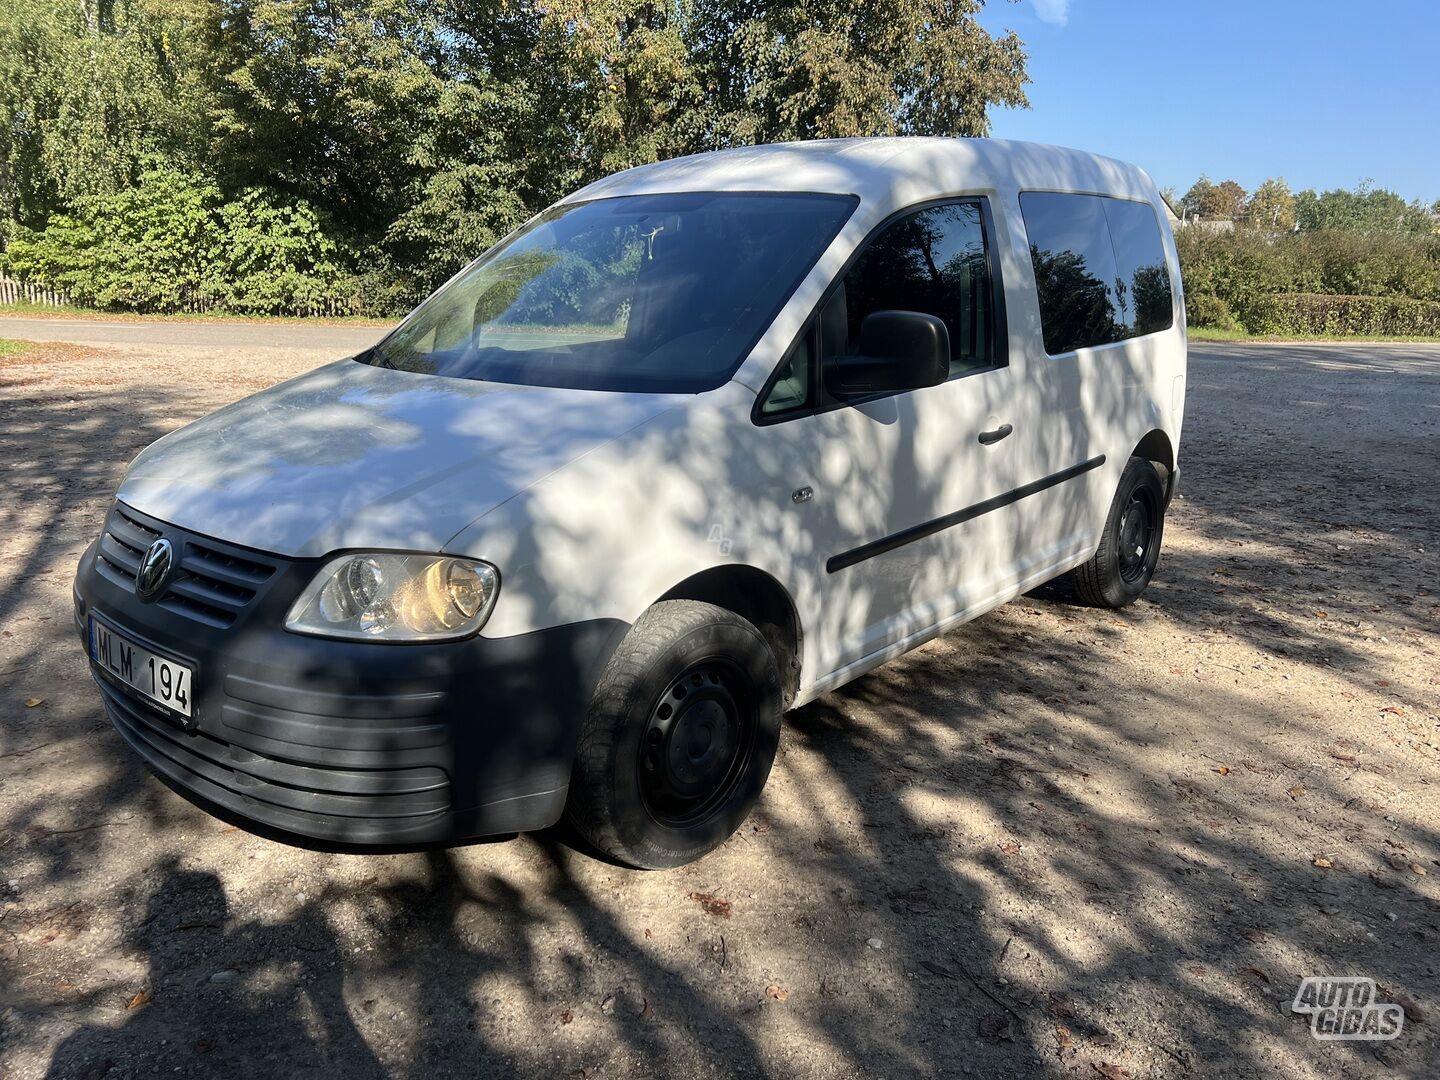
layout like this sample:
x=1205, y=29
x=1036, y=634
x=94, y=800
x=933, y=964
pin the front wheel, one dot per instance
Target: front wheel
x=679, y=738
x=1129, y=548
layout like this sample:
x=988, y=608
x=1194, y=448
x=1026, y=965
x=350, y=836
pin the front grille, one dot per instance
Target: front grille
x=212, y=583
x=289, y=787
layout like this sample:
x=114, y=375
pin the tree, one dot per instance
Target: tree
x=87, y=91
x=419, y=133
x=1194, y=201
x=1365, y=208
x=827, y=69
x=1271, y=207
x=1224, y=201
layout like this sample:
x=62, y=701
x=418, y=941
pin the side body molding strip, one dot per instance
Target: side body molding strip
x=928, y=528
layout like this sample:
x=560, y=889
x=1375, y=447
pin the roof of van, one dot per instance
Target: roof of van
x=877, y=168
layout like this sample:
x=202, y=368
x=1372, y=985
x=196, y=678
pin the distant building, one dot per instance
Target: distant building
x=1171, y=218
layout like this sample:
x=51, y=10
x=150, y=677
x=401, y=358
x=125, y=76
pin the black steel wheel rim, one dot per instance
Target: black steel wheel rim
x=697, y=740
x=1137, y=531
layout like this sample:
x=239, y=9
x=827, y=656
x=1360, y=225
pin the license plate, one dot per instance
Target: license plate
x=159, y=678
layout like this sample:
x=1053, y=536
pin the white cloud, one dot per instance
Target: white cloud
x=1053, y=11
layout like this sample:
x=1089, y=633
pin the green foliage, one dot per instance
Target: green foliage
x=1303, y=314
x=88, y=89
x=1365, y=209
x=1224, y=201
x=172, y=243
x=1232, y=279
x=1271, y=207
x=420, y=133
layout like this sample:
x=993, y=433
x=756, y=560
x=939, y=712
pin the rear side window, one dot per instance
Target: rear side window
x=1100, y=269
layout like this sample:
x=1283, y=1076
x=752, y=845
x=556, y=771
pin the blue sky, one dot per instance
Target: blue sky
x=1320, y=92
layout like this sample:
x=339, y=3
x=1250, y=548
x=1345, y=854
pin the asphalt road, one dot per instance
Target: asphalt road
x=339, y=337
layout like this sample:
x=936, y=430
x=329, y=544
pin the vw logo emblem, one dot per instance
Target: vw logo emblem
x=154, y=570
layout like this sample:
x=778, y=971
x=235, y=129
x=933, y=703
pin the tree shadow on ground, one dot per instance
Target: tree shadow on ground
x=1071, y=851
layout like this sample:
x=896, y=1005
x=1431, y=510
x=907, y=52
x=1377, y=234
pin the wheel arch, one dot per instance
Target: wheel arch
x=1157, y=447
x=757, y=597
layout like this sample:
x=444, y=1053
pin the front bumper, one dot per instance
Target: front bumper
x=350, y=742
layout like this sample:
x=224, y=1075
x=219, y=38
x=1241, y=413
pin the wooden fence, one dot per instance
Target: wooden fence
x=13, y=291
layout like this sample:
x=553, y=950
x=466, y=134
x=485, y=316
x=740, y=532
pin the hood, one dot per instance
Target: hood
x=354, y=456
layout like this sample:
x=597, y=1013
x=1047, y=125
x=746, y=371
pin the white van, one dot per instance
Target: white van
x=701, y=442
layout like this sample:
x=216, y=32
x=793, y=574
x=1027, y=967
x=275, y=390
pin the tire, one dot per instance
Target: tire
x=1129, y=548
x=679, y=738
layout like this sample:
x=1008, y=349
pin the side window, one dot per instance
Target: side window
x=931, y=261
x=1074, y=270
x=791, y=388
x=1142, y=278
x=1100, y=269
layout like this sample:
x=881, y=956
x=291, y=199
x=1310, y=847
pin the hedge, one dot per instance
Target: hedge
x=1343, y=316
x=1326, y=281
x=173, y=242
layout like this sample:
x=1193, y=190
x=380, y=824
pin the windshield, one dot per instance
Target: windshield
x=658, y=293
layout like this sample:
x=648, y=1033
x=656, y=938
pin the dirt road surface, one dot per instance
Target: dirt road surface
x=1056, y=842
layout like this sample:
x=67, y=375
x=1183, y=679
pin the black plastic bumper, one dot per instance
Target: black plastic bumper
x=352, y=742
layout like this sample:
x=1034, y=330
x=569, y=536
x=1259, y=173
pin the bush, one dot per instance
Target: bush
x=1345, y=316
x=173, y=243
x=1203, y=309
x=1240, y=279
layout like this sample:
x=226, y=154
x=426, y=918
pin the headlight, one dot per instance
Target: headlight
x=384, y=597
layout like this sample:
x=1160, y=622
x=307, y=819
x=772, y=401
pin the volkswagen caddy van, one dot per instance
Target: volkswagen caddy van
x=696, y=445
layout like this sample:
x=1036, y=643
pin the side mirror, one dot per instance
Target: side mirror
x=899, y=350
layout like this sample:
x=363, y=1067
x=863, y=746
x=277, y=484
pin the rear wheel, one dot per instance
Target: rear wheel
x=1129, y=549
x=679, y=738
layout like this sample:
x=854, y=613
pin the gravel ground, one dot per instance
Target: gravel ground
x=1056, y=842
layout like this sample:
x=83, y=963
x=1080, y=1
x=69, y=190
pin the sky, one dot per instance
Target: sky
x=1323, y=93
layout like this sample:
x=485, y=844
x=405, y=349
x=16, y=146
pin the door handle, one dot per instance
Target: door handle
x=988, y=437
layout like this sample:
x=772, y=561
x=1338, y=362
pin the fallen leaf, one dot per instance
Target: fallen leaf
x=1009, y=847
x=646, y=1012
x=141, y=998
x=1063, y=1040
x=1396, y=709
x=1109, y=1071
x=567, y=1016
x=1323, y=863
x=778, y=993
x=1415, y=867
x=713, y=905
x=1059, y=1007
x=1320, y=614
x=995, y=1026
x=1259, y=973
x=649, y=935
x=1295, y=792
x=1223, y=770
x=31, y=702
x=1349, y=759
